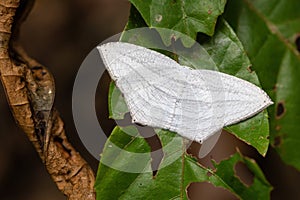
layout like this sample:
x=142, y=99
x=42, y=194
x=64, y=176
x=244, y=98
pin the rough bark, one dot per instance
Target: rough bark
x=30, y=90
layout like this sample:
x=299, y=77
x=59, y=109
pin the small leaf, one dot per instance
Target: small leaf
x=187, y=17
x=124, y=153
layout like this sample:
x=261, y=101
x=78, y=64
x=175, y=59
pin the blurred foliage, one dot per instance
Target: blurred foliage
x=269, y=30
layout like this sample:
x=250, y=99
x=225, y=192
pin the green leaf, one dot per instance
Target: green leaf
x=222, y=52
x=125, y=167
x=124, y=154
x=116, y=104
x=188, y=17
x=267, y=29
x=227, y=53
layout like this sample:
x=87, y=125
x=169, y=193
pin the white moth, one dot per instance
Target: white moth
x=161, y=93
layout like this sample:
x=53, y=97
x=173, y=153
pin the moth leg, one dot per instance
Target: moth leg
x=209, y=144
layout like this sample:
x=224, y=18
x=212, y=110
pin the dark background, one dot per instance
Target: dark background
x=59, y=34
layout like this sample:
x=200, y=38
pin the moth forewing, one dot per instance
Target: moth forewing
x=161, y=93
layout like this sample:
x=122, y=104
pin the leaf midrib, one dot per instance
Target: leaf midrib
x=273, y=28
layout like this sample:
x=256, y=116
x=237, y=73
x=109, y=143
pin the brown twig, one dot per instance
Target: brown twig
x=30, y=92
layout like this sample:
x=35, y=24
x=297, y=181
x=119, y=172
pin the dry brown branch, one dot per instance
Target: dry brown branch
x=30, y=92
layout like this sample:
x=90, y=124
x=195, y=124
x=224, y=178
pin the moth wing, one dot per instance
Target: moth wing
x=142, y=76
x=194, y=103
x=121, y=59
x=234, y=99
x=156, y=90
